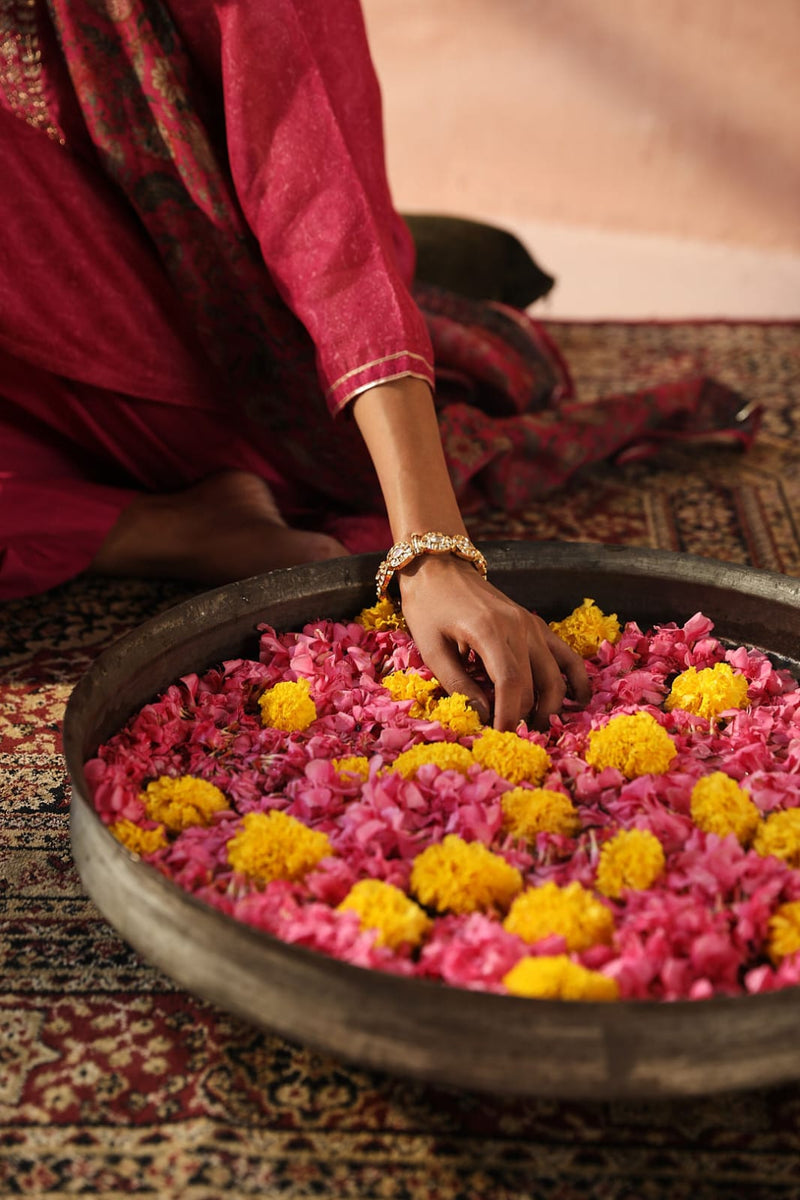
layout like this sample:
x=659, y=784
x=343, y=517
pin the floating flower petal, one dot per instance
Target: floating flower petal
x=783, y=931
x=352, y=764
x=410, y=685
x=557, y=977
x=570, y=912
x=719, y=805
x=288, y=706
x=274, y=845
x=633, y=858
x=182, y=802
x=633, y=743
x=463, y=877
x=447, y=756
x=456, y=714
x=780, y=835
x=530, y=811
x=511, y=756
x=383, y=907
x=381, y=616
x=586, y=628
x=138, y=840
x=708, y=692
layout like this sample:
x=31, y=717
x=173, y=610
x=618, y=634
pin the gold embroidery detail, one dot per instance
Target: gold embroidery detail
x=21, y=66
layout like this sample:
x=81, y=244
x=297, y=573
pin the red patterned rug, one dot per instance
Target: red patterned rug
x=114, y=1082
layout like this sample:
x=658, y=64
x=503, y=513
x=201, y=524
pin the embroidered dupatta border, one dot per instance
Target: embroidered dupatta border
x=21, y=66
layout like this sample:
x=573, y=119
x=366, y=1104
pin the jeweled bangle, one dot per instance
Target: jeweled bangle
x=404, y=552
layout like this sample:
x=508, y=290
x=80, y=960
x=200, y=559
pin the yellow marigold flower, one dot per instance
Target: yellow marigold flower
x=352, y=764
x=557, y=977
x=528, y=811
x=383, y=615
x=273, y=845
x=288, y=706
x=462, y=877
x=719, y=805
x=511, y=756
x=780, y=835
x=708, y=692
x=455, y=713
x=586, y=628
x=634, y=744
x=448, y=756
x=571, y=912
x=410, y=685
x=182, y=802
x=138, y=840
x=634, y=858
x=783, y=931
x=383, y=907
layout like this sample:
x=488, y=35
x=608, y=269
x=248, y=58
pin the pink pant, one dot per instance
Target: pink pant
x=104, y=393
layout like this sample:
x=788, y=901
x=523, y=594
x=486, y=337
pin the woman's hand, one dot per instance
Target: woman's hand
x=451, y=610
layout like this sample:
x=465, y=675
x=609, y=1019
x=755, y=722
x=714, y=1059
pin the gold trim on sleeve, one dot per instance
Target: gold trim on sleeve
x=367, y=387
x=376, y=362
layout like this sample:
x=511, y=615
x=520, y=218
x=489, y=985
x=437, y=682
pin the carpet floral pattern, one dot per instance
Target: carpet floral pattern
x=114, y=1082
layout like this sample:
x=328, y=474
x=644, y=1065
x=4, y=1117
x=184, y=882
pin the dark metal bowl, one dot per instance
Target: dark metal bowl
x=450, y=1036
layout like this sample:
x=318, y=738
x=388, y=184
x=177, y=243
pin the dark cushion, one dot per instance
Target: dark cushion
x=476, y=260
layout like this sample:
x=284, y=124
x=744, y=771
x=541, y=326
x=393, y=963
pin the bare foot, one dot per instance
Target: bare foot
x=224, y=528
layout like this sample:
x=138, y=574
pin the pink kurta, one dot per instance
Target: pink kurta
x=201, y=265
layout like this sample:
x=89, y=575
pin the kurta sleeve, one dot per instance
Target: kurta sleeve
x=304, y=132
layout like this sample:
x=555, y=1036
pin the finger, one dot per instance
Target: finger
x=447, y=665
x=508, y=665
x=509, y=706
x=574, y=668
x=550, y=688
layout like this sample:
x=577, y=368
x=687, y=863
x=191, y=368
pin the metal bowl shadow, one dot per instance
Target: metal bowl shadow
x=450, y=1036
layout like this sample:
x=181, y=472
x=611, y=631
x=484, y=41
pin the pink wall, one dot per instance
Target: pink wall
x=675, y=117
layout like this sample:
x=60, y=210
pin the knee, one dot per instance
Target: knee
x=322, y=547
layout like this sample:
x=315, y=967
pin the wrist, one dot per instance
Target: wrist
x=404, y=555
x=430, y=567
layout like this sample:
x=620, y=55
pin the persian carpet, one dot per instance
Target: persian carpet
x=114, y=1082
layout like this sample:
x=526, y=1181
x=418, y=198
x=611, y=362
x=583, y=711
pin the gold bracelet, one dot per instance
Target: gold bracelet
x=404, y=552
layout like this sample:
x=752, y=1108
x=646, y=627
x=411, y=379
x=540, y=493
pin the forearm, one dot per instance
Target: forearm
x=398, y=423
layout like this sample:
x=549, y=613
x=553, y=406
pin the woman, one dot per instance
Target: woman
x=211, y=363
